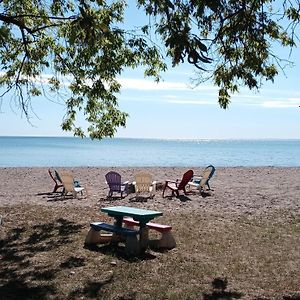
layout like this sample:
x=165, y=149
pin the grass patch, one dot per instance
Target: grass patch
x=217, y=257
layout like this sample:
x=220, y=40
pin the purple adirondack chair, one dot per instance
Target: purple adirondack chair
x=115, y=184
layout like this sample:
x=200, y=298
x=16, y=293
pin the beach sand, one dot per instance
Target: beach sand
x=244, y=233
x=235, y=191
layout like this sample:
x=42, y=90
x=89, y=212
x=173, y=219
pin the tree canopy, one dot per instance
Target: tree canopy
x=84, y=45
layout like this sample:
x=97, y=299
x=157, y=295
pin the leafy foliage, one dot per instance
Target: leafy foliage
x=232, y=37
x=75, y=40
x=84, y=45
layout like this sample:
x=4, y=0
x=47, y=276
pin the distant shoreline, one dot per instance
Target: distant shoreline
x=153, y=138
x=146, y=167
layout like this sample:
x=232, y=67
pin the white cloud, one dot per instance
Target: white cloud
x=145, y=85
x=281, y=102
x=193, y=102
x=44, y=79
x=278, y=104
x=294, y=99
x=150, y=85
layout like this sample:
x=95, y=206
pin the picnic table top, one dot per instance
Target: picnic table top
x=143, y=215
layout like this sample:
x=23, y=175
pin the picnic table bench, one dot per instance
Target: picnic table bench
x=97, y=226
x=166, y=241
x=119, y=233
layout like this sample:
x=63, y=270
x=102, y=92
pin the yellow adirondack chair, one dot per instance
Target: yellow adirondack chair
x=144, y=185
x=68, y=185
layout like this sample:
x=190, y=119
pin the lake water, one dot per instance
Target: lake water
x=69, y=151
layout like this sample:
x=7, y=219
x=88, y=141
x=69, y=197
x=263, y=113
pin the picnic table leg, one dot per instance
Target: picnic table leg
x=119, y=221
x=144, y=237
x=115, y=237
x=132, y=246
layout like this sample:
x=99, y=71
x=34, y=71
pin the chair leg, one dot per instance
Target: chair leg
x=163, y=195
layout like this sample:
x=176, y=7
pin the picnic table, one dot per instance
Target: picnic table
x=143, y=216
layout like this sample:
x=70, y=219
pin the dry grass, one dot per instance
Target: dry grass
x=217, y=257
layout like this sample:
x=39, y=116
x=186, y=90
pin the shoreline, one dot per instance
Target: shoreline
x=148, y=167
x=236, y=191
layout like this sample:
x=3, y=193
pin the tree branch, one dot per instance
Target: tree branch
x=16, y=21
x=73, y=17
x=12, y=20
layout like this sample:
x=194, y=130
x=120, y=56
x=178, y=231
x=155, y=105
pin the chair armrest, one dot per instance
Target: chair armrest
x=153, y=186
x=191, y=183
x=197, y=177
x=174, y=181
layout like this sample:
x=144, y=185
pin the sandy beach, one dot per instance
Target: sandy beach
x=236, y=191
x=244, y=233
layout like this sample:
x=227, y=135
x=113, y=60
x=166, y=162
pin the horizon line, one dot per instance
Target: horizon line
x=155, y=138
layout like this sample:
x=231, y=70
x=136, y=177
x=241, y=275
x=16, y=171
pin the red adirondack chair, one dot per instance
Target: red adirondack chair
x=178, y=185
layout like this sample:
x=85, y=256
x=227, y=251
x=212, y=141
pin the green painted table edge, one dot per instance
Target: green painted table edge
x=142, y=215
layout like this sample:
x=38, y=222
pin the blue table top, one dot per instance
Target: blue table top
x=136, y=213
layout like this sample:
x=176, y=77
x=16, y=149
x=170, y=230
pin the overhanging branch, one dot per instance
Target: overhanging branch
x=17, y=20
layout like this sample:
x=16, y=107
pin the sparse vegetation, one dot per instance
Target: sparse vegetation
x=43, y=257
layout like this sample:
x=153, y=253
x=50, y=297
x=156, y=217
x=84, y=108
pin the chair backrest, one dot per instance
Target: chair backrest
x=207, y=174
x=187, y=176
x=113, y=180
x=68, y=181
x=54, y=177
x=143, y=182
x=57, y=176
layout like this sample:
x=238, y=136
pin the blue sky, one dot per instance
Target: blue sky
x=172, y=109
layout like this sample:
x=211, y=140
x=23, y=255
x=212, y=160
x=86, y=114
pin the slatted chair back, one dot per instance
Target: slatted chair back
x=187, y=176
x=57, y=181
x=143, y=182
x=207, y=175
x=114, y=182
x=68, y=183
